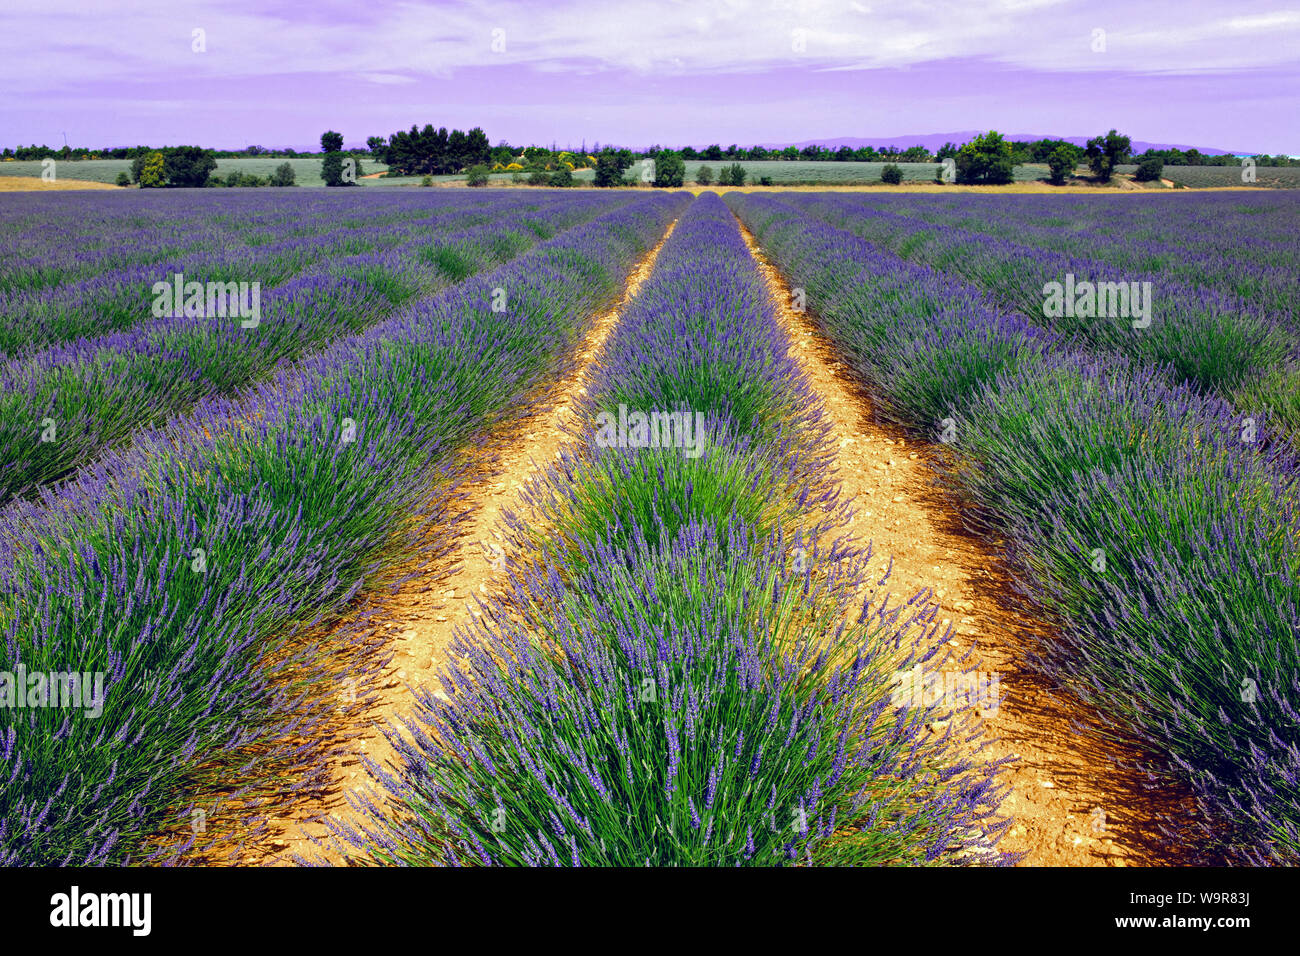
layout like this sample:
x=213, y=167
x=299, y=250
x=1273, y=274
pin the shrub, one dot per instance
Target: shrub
x=1149, y=168
x=670, y=170
x=123, y=179
x=1105, y=152
x=1061, y=163
x=562, y=177
x=733, y=175
x=334, y=171
x=892, y=174
x=609, y=168
x=538, y=177
x=704, y=176
x=188, y=166
x=283, y=175
x=765, y=181
x=426, y=181
x=986, y=159
x=151, y=172
x=477, y=176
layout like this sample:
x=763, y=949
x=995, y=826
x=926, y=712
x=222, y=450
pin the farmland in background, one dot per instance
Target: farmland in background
x=306, y=170
x=1202, y=177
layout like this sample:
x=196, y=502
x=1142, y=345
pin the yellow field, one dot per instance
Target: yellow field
x=21, y=184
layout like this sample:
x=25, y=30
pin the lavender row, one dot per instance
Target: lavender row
x=69, y=403
x=1241, y=247
x=62, y=238
x=1154, y=523
x=1214, y=341
x=680, y=672
x=122, y=298
x=186, y=569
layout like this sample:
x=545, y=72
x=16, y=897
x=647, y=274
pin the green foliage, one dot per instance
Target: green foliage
x=1061, y=162
x=336, y=171
x=891, y=174
x=151, y=174
x=1106, y=152
x=331, y=142
x=733, y=175
x=187, y=166
x=477, y=176
x=670, y=170
x=610, y=166
x=429, y=151
x=537, y=176
x=562, y=177
x=704, y=175
x=765, y=180
x=123, y=179
x=986, y=159
x=1150, y=168
x=283, y=175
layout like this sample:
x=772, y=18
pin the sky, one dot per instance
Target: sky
x=230, y=73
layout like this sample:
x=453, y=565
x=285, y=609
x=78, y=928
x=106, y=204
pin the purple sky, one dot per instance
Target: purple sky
x=277, y=73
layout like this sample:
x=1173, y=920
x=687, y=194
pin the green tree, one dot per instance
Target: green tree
x=610, y=166
x=733, y=175
x=1061, y=162
x=188, y=166
x=670, y=170
x=283, y=175
x=151, y=171
x=123, y=178
x=985, y=159
x=562, y=177
x=334, y=170
x=477, y=176
x=1106, y=152
x=704, y=175
x=331, y=142
x=1150, y=168
x=891, y=174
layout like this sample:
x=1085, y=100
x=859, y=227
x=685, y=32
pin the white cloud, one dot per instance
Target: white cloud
x=48, y=44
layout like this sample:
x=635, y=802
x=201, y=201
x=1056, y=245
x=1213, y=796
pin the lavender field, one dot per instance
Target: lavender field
x=249, y=441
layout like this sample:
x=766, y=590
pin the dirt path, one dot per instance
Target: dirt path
x=1073, y=804
x=418, y=618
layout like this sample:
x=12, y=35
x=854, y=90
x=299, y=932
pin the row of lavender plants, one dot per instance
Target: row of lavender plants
x=1153, y=522
x=66, y=404
x=188, y=571
x=1242, y=246
x=68, y=237
x=113, y=299
x=685, y=667
x=1217, y=342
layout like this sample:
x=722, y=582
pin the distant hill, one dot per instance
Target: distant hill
x=933, y=141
